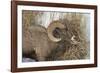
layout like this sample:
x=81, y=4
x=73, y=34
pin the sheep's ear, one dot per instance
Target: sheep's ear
x=51, y=28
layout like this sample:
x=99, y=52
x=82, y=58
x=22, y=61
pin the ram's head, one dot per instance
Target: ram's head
x=58, y=31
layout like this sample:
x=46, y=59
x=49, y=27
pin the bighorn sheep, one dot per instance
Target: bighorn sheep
x=42, y=40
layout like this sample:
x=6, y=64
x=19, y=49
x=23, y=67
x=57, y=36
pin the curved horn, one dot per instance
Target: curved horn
x=51, y=28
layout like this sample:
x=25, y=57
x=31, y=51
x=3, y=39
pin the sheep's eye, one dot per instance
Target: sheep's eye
x=57, y=32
